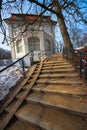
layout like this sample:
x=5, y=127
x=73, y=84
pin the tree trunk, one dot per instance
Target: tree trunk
x=63, y=28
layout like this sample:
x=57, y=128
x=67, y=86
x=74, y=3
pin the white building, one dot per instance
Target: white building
x=31, y=32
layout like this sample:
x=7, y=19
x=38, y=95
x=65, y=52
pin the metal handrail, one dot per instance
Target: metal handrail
x=29, y=53
x=81, y=58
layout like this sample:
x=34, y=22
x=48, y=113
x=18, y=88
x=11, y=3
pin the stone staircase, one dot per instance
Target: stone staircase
x=57, y=100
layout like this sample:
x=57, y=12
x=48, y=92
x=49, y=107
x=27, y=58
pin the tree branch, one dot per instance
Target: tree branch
x=44, y=6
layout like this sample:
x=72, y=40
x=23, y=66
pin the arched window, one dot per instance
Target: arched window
x=34, y=43
x=19, y=46
x=48, y=45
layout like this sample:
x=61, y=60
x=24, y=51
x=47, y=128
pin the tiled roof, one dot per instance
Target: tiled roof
x=29, y=17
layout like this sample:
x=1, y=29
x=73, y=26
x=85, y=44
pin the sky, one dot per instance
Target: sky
x=6, y=47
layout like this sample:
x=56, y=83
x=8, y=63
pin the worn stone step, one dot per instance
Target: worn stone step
x=58, y=70
x=55, y=59
x=56, y=64
x=15, y=90
x=59, y=75
x=50, y=119
x=58, y=67
x=74, y=104
x=16, y=101
x=57, y=89
x=21, y=93
x=72, y=81
x=16, y=124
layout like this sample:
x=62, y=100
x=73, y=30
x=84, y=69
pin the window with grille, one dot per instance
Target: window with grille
x=48, y=45
x=34, y=44
x=19, y=46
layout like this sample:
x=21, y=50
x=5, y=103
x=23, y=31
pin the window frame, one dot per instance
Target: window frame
x=34, y=44
x=19, y=47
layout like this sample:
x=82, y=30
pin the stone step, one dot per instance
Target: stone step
x=58, y=70
x=71, y=70
x=58, y=67
x=59, y=75
x=22, y=125
x=56, y=64
x=54, y=58
x=15, y=90
x=73, y=104
x=73, y=82
x=57, y=89
x=50, y=119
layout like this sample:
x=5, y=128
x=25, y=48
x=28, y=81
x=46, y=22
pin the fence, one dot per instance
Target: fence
x=80, y=60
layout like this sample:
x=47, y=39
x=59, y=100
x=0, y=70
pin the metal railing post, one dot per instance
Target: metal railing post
x=86, y=72
x=80, y=64
x=22, y=62
x=32, y=57
x=23, y=67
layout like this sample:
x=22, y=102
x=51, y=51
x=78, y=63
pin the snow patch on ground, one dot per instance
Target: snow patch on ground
x=8, y=79
x=79, y=48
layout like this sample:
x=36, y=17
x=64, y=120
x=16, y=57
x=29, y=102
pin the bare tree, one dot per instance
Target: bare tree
x=83, y=41
x=7, y=7
x=64, y=11
x=76, y=35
